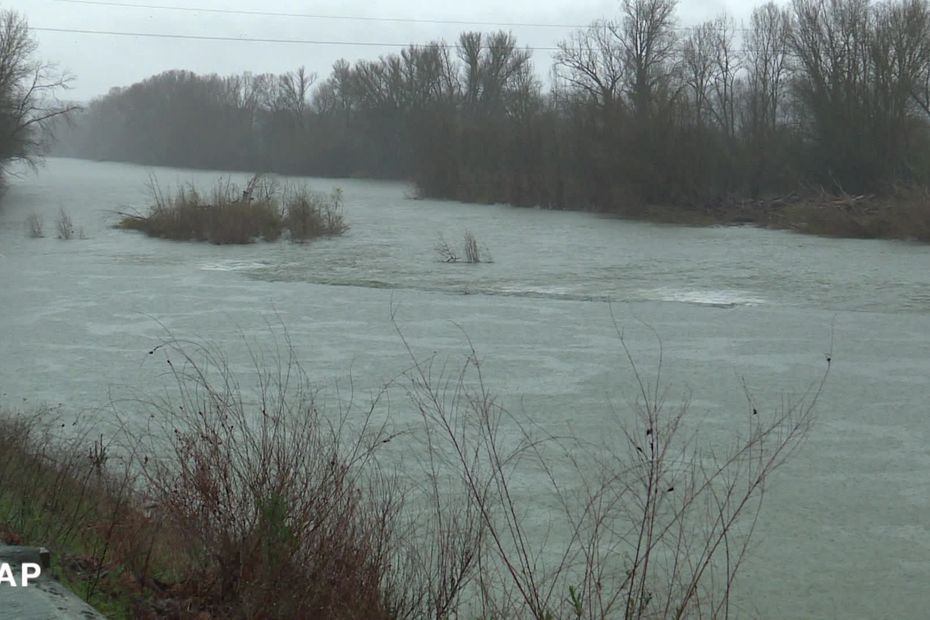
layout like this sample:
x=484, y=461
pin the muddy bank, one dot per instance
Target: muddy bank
x=904, y=216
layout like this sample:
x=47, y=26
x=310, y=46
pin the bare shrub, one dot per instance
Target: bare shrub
x=64, y=225
x=472, y=253
x=73, y=493
x=308, y=214
x=280, y=505
x=445, y=251
x=657, y=525
x=35, y=226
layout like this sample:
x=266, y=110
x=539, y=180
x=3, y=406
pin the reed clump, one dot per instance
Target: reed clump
x=231, y=214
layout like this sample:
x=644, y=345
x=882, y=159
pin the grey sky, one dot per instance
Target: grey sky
x=100, y=62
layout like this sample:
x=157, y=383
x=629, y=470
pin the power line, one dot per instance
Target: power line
x=195, y=37
x=407, y=20
x=198, y=37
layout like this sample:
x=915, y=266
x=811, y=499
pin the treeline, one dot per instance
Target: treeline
x=830, y=93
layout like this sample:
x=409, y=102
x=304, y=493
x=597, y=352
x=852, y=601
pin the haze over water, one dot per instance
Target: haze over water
x=844, y=532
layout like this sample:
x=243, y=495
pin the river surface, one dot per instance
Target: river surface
x=845, y=531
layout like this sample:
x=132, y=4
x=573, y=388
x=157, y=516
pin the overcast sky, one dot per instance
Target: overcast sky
x=100, y=62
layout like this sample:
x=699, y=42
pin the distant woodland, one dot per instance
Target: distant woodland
x=833, y=94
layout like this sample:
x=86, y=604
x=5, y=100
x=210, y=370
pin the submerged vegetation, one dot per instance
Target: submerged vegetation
x=823, y=99
x=267, y=503
x=231, y=214
x=35, y=226
x=471, y=252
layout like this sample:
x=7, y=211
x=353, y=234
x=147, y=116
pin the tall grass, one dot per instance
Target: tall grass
x=264, y=503
x=231, y=214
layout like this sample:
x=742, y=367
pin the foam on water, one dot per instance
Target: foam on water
x=234, y=265
x=717, y=298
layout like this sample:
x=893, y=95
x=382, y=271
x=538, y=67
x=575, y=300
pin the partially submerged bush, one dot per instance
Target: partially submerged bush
x=308, y=215
x=233, y=215
x=64, y=225
x=471, y=252
x=35, y=226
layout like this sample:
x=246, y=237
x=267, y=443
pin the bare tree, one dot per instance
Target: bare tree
x=767, y=63
x=591, y=61
x=294, y=93
x=726, y=66
x=860, y=67
x=831, y=40
x=28, y=89
x=768, y=70
x=698, y=60
x=649, y=43
x=491, y=66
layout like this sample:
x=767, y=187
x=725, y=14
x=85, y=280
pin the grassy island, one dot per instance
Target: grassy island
x=231, y=214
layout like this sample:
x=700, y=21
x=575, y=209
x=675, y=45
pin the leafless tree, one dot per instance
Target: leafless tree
x=698, y=62
x=647, y=35
x=28, y=92
x=727, y=65
x=768, y=63
x=592, y=61
x=294, y=93
x=491, y=66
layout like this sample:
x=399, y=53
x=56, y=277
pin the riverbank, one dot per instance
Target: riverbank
x=902, y=216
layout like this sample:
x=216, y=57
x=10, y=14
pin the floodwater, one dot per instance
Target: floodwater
x=845, y=531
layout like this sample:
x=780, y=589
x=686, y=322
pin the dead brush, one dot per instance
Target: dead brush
x=64, y=225
x=308, y=214
x=471, y=251
x=271, y=495
x=35, y=226
x=657, y=525
x=80, y=502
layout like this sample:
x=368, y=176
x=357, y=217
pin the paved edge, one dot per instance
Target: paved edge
x=43, y=599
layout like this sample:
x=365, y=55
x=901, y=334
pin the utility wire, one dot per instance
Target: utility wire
x=195, y=37
x=407, y=20
x=198, y=37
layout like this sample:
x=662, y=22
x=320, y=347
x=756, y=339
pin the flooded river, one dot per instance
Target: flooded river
x=845, y=531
